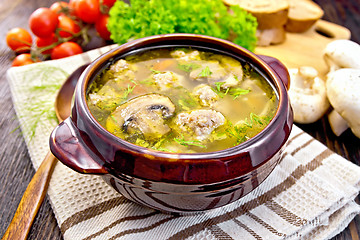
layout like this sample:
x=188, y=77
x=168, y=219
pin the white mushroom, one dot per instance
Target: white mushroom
x=307, y=95
x=343, y=90
x=342, y=57
x=342, y=54
x=337, y=123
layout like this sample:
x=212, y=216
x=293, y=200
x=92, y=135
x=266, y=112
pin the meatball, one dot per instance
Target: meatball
x=205, y=94
x=200, y=122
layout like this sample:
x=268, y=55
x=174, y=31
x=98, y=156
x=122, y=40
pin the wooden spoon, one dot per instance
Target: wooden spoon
x=34, y=194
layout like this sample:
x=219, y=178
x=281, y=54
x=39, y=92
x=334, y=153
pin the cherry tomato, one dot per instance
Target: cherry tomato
x=72, y=4
x=105, y=6
x=67, y=27
x=23, y=59
x=101, y=27
x=66, y=49
x=72, y=7
x=43, y=22
x=108, y=3
x=46, y=42
x=19, y=40
x=87, y=10
x=60, y=8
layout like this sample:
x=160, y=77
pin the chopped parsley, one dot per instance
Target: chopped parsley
x=240, y=130
x=264, y=120
x=187, y=103
x=188, y=67
x=235, y=92
x=184, y=142
x=155, y=71
x=205, y=72
x=128, y=90
x=218, y=86
x=239, y=133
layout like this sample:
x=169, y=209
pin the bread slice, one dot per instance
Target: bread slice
x=302, y=15
x=269, y=13
x=270, y=36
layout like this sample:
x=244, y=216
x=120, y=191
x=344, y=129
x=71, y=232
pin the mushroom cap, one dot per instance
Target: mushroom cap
x=307, y=95
x=342, y=54
x=142, y=115
x=343, y=91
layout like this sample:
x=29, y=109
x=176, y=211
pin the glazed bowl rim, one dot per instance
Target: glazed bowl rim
x=93, y=69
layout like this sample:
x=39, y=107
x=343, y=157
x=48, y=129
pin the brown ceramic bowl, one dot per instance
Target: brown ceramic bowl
x=167, y=181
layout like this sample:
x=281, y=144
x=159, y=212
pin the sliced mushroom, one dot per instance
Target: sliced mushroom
x=232, y=65
x=230, y=81
x=208, y=72
x=227, y=71
x=200, y=122
x=142, y=115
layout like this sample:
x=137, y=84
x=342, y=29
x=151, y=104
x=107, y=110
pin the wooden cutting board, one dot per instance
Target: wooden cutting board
x=306, y=49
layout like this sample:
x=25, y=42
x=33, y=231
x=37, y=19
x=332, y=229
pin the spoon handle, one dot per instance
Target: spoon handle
x=31, y=201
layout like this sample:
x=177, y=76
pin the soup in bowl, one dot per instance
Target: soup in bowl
x=178, y=122
x=182, y=100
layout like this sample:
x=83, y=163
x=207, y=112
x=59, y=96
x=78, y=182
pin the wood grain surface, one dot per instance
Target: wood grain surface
x=306, y=49
x=16, y=169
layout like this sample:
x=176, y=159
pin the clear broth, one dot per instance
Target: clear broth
x=215, y=101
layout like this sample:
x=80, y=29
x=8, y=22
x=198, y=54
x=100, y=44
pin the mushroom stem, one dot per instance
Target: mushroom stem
x=307, y=95
x=337, y=123
x=342, y=87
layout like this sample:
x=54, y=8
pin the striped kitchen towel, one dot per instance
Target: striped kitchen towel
x=309, y=195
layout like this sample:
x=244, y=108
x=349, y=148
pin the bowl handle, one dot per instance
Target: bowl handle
x=71, y=151
x=279, y=68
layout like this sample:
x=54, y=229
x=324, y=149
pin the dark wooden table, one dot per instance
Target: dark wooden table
x=15, y=166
